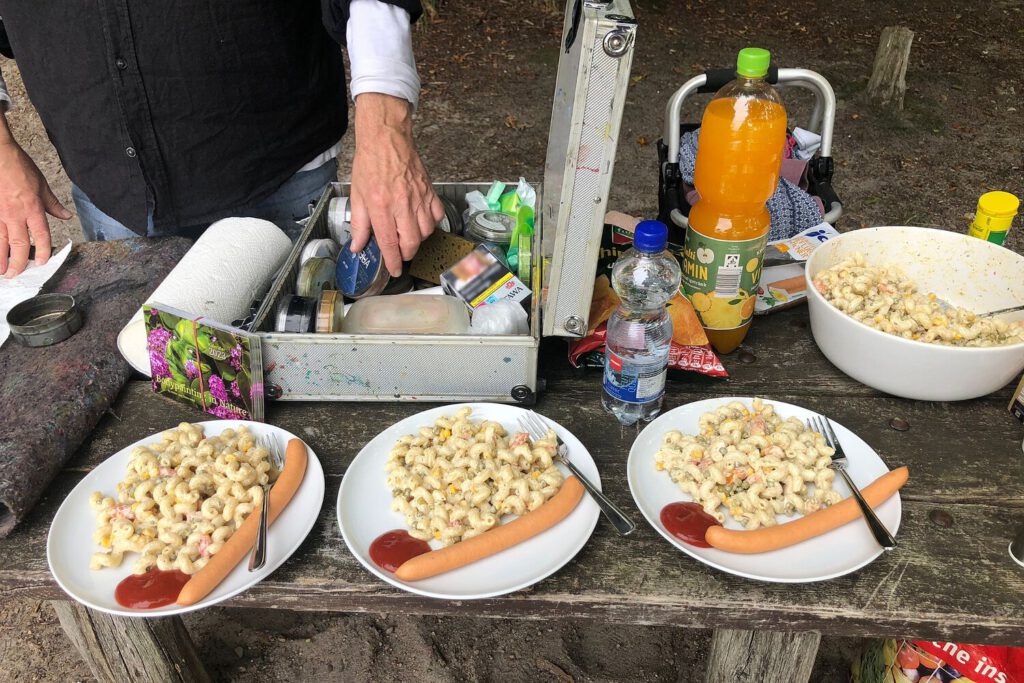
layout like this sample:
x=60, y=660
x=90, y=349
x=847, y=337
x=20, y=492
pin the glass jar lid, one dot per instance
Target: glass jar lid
x=490, y=226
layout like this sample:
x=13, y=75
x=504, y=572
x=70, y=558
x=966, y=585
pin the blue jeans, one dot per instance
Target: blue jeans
x=284, y=207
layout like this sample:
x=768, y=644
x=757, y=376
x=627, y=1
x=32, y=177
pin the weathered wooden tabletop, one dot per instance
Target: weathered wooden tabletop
x=950, y=578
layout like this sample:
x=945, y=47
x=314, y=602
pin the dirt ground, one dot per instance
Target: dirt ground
x=487, y=68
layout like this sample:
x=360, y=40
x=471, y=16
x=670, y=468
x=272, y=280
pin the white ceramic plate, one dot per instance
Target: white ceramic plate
x=364, y=513
x=69, y=545
x=131, y=342
x=838, y=552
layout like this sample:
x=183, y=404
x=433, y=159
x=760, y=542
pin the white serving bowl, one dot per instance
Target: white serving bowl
x=964, y=271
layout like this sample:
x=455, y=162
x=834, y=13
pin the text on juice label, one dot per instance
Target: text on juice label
x=720, y=278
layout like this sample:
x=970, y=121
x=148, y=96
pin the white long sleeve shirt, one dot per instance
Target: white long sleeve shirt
x=379, y=39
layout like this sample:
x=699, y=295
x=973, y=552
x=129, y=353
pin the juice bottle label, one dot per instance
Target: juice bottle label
x=720, y=278
x=634, y=382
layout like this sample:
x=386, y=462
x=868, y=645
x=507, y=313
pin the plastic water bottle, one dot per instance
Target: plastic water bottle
x=640, y=330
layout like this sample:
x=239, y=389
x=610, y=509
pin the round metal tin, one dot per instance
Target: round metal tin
x=296, y=314
x=321, y=248
x=361, y=274
x=339, y=218
x=452, y=221
x=330, y=312
x=44, y=320
x=315, y=275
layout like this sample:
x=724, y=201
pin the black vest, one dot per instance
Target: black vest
x=189, y=108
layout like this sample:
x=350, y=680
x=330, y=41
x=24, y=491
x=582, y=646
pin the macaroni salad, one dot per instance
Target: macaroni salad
x=751, y=462
x=181, y=499
x=455, y=479
x=884, y=298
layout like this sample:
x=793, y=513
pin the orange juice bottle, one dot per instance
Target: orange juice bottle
x=739, y=154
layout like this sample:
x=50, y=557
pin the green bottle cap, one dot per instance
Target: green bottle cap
x=752, y=62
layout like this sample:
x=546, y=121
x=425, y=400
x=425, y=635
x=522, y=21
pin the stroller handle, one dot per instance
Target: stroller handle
x=824, y=114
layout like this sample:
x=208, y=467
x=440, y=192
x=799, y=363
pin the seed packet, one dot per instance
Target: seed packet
x=212, y=366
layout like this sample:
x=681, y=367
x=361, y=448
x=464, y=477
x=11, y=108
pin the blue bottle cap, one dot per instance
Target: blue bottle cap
x=650, y=236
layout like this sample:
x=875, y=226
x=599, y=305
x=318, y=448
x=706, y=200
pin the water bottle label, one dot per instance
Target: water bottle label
x=634, y=382
x=720, y=278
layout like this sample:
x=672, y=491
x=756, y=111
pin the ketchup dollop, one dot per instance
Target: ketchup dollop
x=687, y=522
x=391, y=550
x=153, y=589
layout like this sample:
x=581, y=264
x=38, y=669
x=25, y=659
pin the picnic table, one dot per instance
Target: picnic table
x=951, y=577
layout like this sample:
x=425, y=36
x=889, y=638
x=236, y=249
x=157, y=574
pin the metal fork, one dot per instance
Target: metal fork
x=823, y=426
x=258, y=558
x=538, y=429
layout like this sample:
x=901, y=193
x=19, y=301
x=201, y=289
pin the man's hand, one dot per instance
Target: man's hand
x=390, y=187
x=25, y=199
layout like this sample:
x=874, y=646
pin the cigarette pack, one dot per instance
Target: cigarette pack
x=480, y=279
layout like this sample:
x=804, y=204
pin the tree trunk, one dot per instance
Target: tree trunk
x=888, y=82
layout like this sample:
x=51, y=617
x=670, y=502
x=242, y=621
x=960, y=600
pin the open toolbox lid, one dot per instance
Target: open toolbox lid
x=596, y=54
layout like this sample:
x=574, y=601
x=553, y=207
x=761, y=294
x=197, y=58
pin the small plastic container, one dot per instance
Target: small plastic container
x=407, y=314
x=994, y=216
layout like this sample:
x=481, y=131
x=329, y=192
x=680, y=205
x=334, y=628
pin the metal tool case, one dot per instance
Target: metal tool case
x=593, y=75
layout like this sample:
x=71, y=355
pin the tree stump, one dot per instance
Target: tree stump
x=888, y=83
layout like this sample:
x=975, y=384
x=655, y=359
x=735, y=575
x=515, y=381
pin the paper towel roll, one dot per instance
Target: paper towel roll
x=229, y=266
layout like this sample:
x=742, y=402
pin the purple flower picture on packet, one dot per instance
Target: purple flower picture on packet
x=208, y=365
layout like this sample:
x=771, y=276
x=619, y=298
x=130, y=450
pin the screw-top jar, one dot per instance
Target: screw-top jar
x=490, y=227
x=994, y=216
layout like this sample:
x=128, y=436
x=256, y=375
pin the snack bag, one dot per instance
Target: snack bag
x=782, y=283
x=894, y=661
x=690, y=350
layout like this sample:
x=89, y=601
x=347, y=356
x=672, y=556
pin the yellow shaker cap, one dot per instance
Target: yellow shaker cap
x=998, y=204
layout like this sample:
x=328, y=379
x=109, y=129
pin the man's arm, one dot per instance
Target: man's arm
x=390, y=187
x=25, y=199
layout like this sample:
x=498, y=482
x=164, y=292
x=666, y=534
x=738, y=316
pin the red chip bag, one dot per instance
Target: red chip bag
x=690, y=350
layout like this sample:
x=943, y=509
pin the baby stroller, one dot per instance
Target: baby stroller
x=673, y=206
